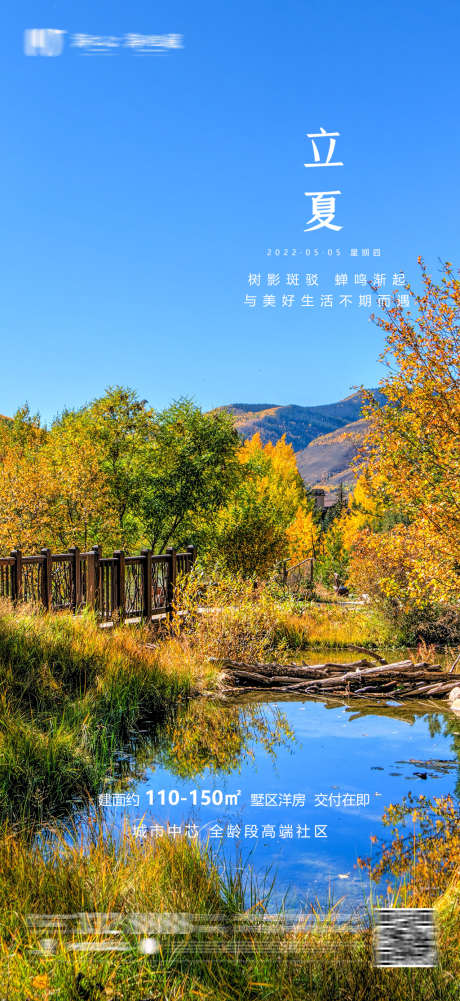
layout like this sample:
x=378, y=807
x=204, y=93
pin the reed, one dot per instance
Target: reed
x=241, y=622
x=93, y=872
x=71, y=695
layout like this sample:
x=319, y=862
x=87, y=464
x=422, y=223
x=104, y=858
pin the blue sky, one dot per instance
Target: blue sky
x=139, y=191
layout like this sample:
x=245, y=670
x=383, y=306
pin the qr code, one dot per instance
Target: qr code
x=405, y=936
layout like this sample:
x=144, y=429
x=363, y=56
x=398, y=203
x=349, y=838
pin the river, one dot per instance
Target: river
x=288, y=786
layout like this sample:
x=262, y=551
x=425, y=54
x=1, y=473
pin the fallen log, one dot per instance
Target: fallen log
x=433, y=689
x=358, y=674
x=454, y=665
x=401, y=680
x=297, y=670
x=248, y=676
x=329, y=668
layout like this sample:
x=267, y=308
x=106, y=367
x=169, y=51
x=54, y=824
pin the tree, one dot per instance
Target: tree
x=26, y=486
x=333, y=557
x=114, y=472
x=81, y=508
x=412, y=449
x=188, y=469
x=402, y=569
x=123, y=429
x=370, y=506
x=302, y=534
x=249, y=534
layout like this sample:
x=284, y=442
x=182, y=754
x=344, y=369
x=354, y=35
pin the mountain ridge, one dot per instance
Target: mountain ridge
x=325, y=437
x=300, y=424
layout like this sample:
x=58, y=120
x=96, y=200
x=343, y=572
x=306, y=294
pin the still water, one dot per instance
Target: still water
x=294, y=786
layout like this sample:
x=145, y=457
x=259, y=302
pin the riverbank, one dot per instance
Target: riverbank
x=133, y=953
x=70, y=695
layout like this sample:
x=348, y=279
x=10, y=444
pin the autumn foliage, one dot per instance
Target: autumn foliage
x=120, y=474
x=267, y=517
x=403, y=525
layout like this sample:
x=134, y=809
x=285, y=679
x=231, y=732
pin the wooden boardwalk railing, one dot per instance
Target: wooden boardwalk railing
x=295, y=574
x=117, y=586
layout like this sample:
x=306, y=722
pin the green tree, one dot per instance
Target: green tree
x=110, y=436
x=123, y=426
x=333, y=557
x=188, y=469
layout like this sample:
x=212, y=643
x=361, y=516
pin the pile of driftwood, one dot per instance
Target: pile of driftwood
x=402, y=680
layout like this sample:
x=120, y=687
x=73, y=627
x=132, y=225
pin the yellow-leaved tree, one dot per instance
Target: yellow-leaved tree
x=302, y=534
x=27, y=487
x=53, y=491
x=267, y=516
x=404, y=528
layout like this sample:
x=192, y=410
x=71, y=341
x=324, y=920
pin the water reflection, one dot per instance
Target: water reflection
x=202, y=736
x=222, y=737
x=298, y=766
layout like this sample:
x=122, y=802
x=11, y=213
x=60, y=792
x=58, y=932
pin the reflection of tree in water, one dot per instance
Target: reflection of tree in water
x=220, y=737
x=212, y=735
x=447, y=726
x=452, y=729
x=439, y=724
x=200, y=735
x=434, y=725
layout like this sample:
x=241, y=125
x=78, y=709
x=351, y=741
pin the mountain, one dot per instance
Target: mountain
x=301, y=425
x=325, y=438
x=326, y=461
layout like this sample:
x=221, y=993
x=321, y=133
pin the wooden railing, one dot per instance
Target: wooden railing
x=296, y=574
x=119, y=586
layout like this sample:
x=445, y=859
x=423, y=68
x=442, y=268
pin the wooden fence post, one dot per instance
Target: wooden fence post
x=94, y=596
x=119, y=582
x=17, y=574
x=97, y=550
x=147, y=582
x=75, y=578
x=91, y=579
x=46, y=581
x=172, y=577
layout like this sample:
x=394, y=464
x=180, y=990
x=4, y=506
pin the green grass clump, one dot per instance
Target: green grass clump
x=41, y=772
x=47, y=658
x=72, y=693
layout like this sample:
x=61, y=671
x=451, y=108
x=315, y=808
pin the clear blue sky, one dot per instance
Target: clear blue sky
x=138, y=192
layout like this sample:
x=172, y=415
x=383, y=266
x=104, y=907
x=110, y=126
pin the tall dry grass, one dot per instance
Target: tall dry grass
x=242, y=621
x=125, y=886
x=71, y=694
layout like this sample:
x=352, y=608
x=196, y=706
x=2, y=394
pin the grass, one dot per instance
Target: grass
x=69, y=875
x=328, y=626
x=71, y=695
x=244, y=622
x=45, y=659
